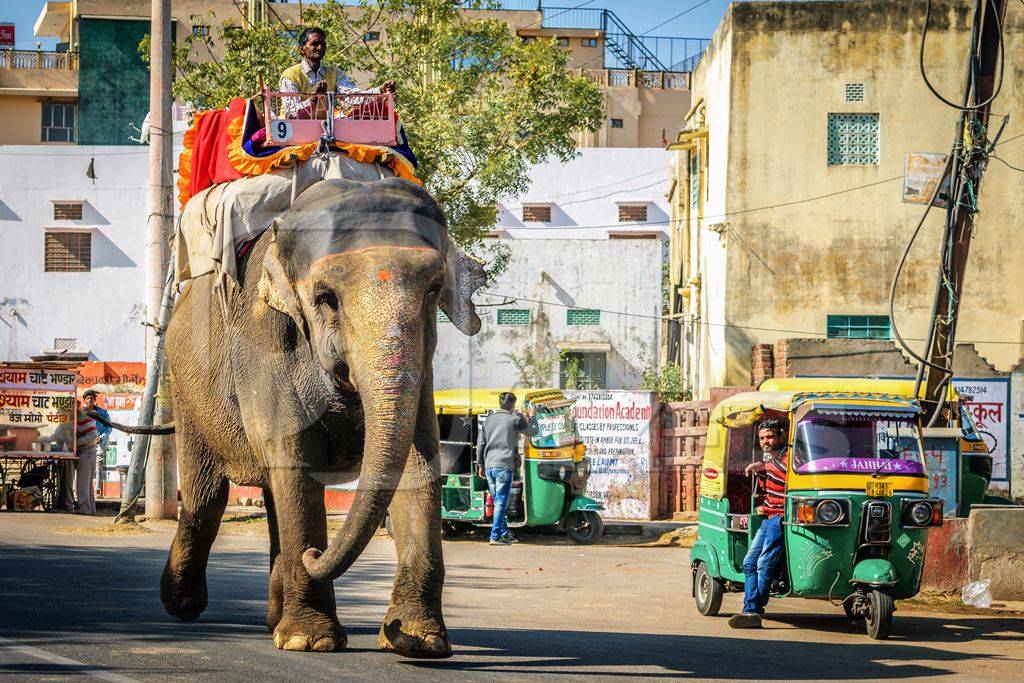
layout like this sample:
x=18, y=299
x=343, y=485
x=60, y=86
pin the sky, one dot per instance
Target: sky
x=639, y=15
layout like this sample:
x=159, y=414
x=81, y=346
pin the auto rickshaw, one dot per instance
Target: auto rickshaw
x=857, y=503
x=549, y=485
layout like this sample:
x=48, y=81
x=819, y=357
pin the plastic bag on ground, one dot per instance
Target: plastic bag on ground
x=977, y=594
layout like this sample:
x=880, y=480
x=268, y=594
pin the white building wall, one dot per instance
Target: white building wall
x=584, y=194
x=102, y=308
x=620, y=276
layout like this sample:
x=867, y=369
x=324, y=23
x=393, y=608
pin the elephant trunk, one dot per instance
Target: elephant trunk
x=390, y=401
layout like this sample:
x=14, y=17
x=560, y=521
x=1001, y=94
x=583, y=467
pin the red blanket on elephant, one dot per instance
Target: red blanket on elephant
x=204, y=160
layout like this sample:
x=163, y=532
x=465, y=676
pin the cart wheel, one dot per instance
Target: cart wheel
x=879, y=618
x=707, y=592
x=585, y=527
x=388, y=526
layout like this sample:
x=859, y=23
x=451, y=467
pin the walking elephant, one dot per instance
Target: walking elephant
x=318, y=372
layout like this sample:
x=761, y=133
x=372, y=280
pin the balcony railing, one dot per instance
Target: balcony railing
x=662, y=80
x=38, y=59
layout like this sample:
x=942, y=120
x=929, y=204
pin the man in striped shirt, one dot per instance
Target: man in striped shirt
x=766, y=547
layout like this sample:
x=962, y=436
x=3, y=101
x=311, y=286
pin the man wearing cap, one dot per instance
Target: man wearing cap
x=103, y=431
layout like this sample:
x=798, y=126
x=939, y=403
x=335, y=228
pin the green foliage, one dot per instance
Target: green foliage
x=573, y=375
x=666, y=379
x=534, y=367
x=479, y=105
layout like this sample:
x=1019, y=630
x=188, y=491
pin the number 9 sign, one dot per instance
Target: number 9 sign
x=280, y=131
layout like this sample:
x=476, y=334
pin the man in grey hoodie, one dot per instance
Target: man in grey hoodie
x=497, y=455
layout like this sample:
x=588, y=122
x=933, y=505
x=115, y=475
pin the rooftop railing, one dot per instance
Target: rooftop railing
x=662, y=80
x=38, y=59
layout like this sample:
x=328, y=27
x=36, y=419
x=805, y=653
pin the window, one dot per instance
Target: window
x=58, y=123
x=694, y=182
x=65, y=344
x=536, y=214
x=854, y=92
x=583, y=370
x=590, y=42
x=67, y=211
x=562, y=42
x=441, y=317
x=582, y=316
x=513, y=316
x=629, y=213
x=616, y=123
x=371, y=36
x=852, y=139
x=858, y=327
x=68, y=252
x=200, y=30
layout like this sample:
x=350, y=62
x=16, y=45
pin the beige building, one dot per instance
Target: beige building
x=645, y=79
x=788, y=216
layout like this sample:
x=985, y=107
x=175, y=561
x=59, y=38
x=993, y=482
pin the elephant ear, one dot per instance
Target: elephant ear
x=463, y=276
x=277, y=290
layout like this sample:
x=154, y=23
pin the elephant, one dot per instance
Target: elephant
x=318, y=372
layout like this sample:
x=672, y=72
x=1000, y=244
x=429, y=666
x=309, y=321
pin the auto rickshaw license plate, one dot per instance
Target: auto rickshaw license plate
x=878, y=489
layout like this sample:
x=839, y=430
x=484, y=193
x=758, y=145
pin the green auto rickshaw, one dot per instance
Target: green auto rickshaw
x=547, y=490
x=857, y=503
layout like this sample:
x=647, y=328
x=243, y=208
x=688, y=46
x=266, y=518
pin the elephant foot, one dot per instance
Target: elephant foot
x=420, y=639
x=183, y=599
x=318, y=633
x=275, y=609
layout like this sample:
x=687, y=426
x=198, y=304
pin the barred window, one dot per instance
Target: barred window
x=536, y=214
x=583, y=370
x=853, y=139
x=65, y=343
x=68, y=252
x=58, y=123
x=616, y=123
x=582, y=316
x=858, y=327
x=67, y=211
x=513, y=316
x=854, y=92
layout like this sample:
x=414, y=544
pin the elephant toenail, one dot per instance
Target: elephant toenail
x=327, y=644
x=298, y=643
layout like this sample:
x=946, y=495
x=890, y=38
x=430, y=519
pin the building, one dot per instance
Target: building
x=71, y=252
x=580, y=301
x=69, y=96
x=787, y=199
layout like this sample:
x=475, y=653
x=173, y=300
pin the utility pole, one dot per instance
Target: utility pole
x=162, y=466
x=965, y=174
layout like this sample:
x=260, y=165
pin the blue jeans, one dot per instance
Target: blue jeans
x=499, y=481
x=759, y=565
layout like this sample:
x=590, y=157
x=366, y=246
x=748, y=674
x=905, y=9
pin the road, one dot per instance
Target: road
x=74, y=605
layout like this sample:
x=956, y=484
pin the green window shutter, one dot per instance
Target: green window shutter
x=583, y=316
x=513, y=316
x=858, y=327
x=853, y=139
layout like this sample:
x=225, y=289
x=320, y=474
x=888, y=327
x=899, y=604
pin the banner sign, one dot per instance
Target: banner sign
x=988, y=402
x=36, y=380
x=616, y=427
x=26, y=408
x=7, y=35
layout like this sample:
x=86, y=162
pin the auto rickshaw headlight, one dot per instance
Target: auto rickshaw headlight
x=805, y=512
x=921, y=513
x=830, y=512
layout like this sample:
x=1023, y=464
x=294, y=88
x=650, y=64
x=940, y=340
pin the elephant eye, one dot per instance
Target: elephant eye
x=325, y=298
x=435, y=290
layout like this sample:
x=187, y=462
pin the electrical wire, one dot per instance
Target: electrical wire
x=1002, y=57
x=673, y=18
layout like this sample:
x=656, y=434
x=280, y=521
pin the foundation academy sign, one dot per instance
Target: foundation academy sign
x=616, y=426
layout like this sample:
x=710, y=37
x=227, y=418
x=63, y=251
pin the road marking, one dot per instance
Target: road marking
x=79, y=667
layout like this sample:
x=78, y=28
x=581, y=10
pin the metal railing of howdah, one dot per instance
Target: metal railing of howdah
x=38, y=59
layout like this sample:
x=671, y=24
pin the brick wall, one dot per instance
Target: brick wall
x=629, y=213
x=762, y=363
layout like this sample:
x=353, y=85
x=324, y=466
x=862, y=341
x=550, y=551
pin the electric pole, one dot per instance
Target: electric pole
x=965, y=172
x=161, y=467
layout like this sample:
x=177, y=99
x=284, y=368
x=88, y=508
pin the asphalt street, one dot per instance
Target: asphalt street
x=76, y=605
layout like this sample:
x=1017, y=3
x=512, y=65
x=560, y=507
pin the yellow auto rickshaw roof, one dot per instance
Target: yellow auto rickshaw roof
x=848, y=385
x=479, y=401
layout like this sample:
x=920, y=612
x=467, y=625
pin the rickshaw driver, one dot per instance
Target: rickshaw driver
x=766, y=548
x=311, y=76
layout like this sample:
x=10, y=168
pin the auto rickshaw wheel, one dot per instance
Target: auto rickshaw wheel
x=584, y=527
x=851, y=605
x=450, y=529
x=879, y=617
x=707, y=591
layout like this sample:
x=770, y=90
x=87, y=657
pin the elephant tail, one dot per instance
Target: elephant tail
x=167, y=428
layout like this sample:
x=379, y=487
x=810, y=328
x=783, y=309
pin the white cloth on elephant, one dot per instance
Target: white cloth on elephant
x=216, y=221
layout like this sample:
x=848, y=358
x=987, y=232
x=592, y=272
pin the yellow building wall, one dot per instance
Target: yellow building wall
x=22, y=120
x=786, y=268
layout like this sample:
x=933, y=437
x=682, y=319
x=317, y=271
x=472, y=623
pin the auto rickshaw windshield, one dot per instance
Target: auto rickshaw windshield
x=860, y=443
x=555, y=426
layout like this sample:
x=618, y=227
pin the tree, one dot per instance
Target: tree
x=479, y=105
x=667, y=380
x=534, y=367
